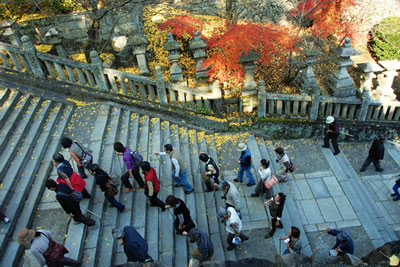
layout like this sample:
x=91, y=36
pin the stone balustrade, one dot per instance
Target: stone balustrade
x=311, y=106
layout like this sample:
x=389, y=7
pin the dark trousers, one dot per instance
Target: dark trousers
x=231, y=236
x=84, y=220
x=185, y=227
x=85, y=193
x=154, y=200
x=115, y=203
x=136, y=175
x=273, y=225
x=261, y=189
x=334, y=142
x=368, y=161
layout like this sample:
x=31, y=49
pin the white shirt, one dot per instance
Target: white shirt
x=284, y=159
x=174, y=161
x=265, y=173
x=233, y=219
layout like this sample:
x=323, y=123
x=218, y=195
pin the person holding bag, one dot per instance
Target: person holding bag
x=104, y=181
x=44, y=248
x=276, y=204
x=152, y=185
x=267, y=180
x=80, y=154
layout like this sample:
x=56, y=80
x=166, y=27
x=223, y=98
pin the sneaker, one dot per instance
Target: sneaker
x=230, y=248
x=396, y=199
x=139, y=187
x=122, y=210
x=250, y=184
x=361, y=170
x=237, y=180
x=178, y=185
x=6, y=220
x=325, y=146
x=189, y=192
x=336, y=153
x=284, y=180
x=393, y=195
x=254, y=195
x=380, y=170
x=267, y=236
x=127, y=190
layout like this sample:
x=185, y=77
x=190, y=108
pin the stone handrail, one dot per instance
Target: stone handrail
x=313, y=106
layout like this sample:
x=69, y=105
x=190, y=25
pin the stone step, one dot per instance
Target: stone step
x=106, y=244
x=29, y=107
x=4, y=94
x=39, y=168
x=166, y=228
x=13, y=120
x=13, y=98
x=76, y=235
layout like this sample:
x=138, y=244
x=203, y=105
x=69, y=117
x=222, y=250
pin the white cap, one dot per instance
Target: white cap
x=329, y=119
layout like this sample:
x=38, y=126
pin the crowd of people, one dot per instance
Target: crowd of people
x=70, y=190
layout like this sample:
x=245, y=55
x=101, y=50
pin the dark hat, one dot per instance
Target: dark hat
x=343, y=236
x=224, y=184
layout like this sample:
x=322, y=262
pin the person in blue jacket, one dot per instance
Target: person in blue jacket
x=245, y=165
x=135, y=247
x=344, y=243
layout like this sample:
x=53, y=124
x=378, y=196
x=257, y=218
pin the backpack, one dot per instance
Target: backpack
x=137, y=158
x=291, y=166
x=86, y=158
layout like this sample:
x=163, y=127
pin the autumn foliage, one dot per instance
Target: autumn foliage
x=183, y=25
x=324, y=18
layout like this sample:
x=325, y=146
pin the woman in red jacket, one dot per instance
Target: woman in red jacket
x=151, y=185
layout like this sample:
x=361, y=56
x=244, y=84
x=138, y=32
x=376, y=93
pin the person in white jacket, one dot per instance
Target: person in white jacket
x=265, y=173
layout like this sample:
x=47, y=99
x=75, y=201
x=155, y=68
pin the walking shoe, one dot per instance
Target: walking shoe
x=361, y=170
x=325, y=146
x=127, y=190
x=122, y=210
x=208, y=190
x=237, y=180
x=336, y=153
x=254, y=195
x=6, y=220
x=284, y=180
x=189, y=192
x=230, y=248
x=139, y=187
x=268, y=236
x=178, y=185
x=380, y=170
x=395, y=199
x=393, y=195
x=250, y=184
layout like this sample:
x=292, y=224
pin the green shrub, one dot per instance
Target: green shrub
x=386, y=39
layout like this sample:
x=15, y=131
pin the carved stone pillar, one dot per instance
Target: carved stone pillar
x=249, y=66
x=139, y=45
x=97, y=68
x=306, y=79
x=386, y=92
x=53, y=37
x=340, y=82
x=369, y=68
x=173, y=47
x=198, y=45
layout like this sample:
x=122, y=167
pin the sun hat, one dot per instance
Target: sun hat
x=25, y=236
x=329, y=119
x=222, y=212
x=241, y=147
x=117, y=233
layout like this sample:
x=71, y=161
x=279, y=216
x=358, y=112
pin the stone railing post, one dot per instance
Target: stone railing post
x=262, y=99
x=97, y=68
x=315, y=100
x=30, y=54
x=173, y=47
x=160, y=84
x=365, y=100
x=217, y=95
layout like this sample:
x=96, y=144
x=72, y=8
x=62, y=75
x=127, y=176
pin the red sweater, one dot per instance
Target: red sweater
x=77, y=182
x=152, y=176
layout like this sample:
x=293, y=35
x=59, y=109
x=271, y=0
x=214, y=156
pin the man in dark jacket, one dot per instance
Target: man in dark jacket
x=211, y=173
x=205, y=248
x=135, y=247
x=344, y=244
x=375, y=155
x=70, y=206
x=332, y=133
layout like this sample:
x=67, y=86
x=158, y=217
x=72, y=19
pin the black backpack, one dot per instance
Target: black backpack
x=137, y=158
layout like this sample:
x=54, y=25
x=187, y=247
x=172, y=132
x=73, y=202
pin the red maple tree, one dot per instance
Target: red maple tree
x=325, y=18
x=180, y=25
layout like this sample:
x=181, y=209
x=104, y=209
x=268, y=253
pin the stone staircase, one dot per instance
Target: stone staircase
x=327, y=192
x=31, y=126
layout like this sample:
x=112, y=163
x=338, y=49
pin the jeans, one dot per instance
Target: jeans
x=116, y=203
x=246, y=169
x=136, y=175
x=182, y=180
x=396, y=190
x=368, y=161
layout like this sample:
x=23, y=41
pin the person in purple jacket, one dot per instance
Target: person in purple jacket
x=133, y=170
